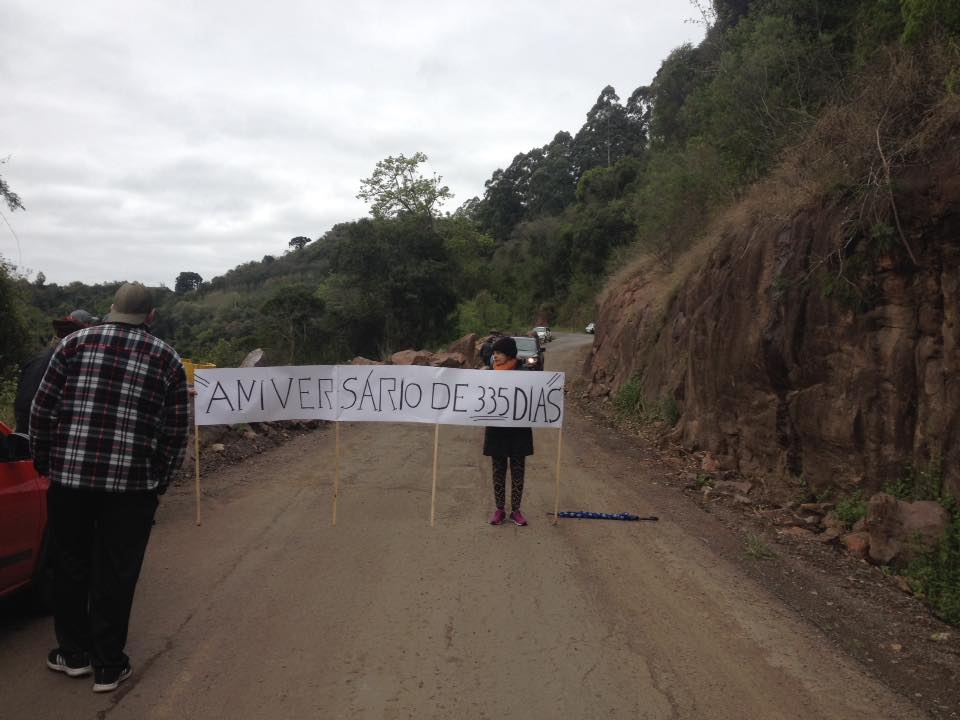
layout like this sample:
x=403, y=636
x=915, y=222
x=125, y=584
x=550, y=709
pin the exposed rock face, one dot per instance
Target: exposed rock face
x=411, y=357
x=449, y=360
x=254, y=358
x=461, y=354
x=419, y=357
x=899, y=530
x=857, y=543
x=784, y=362
x=467, y=347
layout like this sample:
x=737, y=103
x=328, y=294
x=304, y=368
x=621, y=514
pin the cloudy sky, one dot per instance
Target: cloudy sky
x=147, y=138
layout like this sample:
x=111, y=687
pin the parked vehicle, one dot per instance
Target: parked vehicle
x=23, y=518
x=590, y=328
x=544, y=335
x=529, y=353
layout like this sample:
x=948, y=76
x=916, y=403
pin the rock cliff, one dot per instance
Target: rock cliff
x=801, y=352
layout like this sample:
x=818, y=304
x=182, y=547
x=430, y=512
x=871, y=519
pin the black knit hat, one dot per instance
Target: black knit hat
x=506, y=345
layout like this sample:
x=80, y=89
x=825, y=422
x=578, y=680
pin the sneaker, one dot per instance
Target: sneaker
x=498, y=516
x=518, y=517
x=74, y=666
x=106, y=679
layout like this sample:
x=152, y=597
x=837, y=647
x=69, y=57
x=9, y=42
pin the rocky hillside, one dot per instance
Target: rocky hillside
x=812, y=338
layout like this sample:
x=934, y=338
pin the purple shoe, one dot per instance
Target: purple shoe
x=518, y=518
x=498, y=516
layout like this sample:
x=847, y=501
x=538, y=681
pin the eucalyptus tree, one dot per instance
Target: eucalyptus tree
x=611, y=132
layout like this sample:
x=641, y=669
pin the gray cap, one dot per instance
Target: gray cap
x=77, y=320
x=82, y=316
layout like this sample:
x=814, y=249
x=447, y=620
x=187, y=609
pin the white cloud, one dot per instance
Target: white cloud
x=151, y=138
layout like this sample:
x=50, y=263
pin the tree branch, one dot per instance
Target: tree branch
x=893, y=203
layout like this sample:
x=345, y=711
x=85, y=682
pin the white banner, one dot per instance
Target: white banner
x=379, y=393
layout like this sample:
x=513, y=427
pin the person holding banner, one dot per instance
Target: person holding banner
x=109, y=427
x=507, y=446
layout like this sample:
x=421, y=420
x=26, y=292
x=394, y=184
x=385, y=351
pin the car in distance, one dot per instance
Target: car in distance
x=590, y=328
x=529, y=353
x=23, y=519
x=544, y=335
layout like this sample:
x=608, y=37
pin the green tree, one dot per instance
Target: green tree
x=468, y=250
x=540, y=182
x=611, y=132
x=14, y=334
x=187, y=282
x=481, y=314
x=604, y=184
x=679, y=75
x=503, y=204
x=400, y=277
x=923, y=17
x=551, y=186
x=729, y=12
x=397, y=187
x=299, y=242
x=676, y=194
x=772, y=77
x=293, y=314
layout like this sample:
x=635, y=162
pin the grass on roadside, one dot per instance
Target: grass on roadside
x=935, y=576
x=631, y=404
x=756, y=549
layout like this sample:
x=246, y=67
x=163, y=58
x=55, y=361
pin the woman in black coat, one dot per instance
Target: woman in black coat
x=507, y=446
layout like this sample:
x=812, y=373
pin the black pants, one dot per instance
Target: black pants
x=517, y=466
x=98, y=542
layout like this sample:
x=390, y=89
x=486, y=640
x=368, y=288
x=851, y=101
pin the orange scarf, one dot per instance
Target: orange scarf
x=508, y=364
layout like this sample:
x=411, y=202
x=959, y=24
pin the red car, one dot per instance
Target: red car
x=23, y=517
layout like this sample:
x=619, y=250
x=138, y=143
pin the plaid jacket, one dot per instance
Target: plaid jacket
x=112, y=412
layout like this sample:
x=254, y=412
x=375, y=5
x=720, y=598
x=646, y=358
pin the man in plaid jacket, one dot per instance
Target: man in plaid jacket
x=108, y=425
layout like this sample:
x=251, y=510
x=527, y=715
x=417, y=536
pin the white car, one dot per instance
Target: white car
x=543, y=333
x=590, y=328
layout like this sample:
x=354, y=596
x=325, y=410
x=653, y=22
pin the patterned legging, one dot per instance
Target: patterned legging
x=517, y=465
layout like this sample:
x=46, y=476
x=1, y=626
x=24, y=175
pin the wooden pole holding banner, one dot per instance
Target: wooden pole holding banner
x=556, y=502
x=336, y=474
x=433, y=492
x=196, y=463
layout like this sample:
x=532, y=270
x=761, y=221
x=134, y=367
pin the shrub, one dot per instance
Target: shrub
x=852, y=508
x=629, y=401
x=923, y=17
x=756, y=549
x=935, y=576
x=631, y=404
x=8, y=390
x=919, y=483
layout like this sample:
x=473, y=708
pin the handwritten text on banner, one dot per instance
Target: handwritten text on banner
x=379, y=393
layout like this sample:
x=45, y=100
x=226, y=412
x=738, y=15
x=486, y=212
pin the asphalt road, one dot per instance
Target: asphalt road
x=267, y=610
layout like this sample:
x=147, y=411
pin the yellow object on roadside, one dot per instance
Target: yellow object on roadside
x=189, y=365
